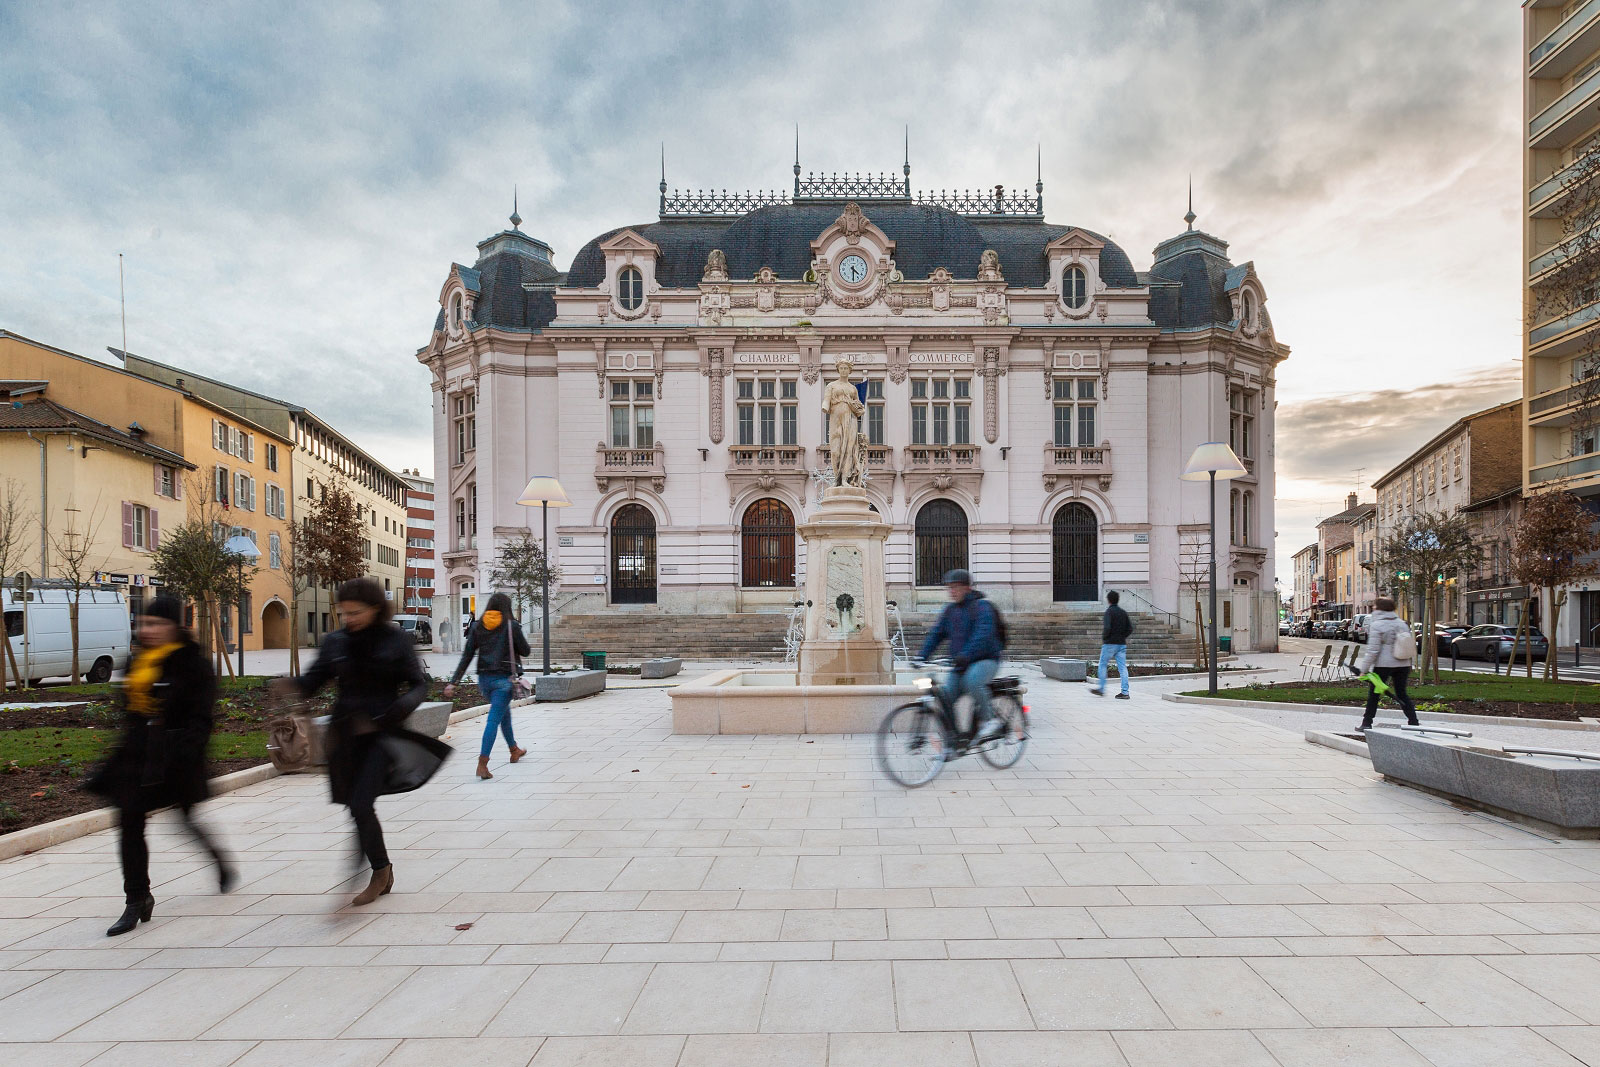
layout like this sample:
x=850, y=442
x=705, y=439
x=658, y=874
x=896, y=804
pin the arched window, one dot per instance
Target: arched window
x=1249, y=308
x=941, y=531
x=766, y=536
x=1074, y=287
x=633, y=556
x=630, y=288
x=456, y=314
x=1074, y=554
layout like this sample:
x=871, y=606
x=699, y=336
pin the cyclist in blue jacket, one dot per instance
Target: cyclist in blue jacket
x=970, y=624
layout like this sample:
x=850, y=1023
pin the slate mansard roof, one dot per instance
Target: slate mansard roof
x=1189, y=282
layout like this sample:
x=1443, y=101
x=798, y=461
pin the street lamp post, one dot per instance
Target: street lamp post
x=1211, y=461
x=544, y=490
x=245, y=549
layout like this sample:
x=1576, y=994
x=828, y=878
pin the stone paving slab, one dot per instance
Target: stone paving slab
x=1153, y=884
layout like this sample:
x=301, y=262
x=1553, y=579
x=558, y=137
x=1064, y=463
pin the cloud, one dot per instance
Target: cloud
x=291, y=183
x=1322, y=443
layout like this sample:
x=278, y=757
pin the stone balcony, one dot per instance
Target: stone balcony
x=942, y=467
x=631, y=464
x=880, y=458
x=763, y=467
x=1077, y=462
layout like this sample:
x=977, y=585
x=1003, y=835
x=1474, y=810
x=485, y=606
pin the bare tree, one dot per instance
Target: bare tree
x=1555, y=545
x=78, y=556
x=521, y=569
x=1423, y=551
x=16, y=520
x=1194, y=573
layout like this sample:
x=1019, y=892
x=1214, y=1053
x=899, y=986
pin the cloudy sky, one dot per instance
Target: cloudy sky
x=290, y=183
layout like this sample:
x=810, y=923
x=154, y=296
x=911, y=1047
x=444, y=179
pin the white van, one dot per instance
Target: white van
x=418, y=627
x=40, y=632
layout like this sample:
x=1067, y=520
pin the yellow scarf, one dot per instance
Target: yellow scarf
x=143, y=675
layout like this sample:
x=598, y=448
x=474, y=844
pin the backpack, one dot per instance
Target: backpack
x=999, y=624
x=1405, y=646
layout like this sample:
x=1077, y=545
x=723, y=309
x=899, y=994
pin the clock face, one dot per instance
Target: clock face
x=853, y=269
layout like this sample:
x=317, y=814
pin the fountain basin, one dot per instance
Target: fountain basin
x=771, y=701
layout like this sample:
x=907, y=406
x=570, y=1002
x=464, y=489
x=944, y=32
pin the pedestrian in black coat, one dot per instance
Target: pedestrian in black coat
x=167, y=700
x=370, y=752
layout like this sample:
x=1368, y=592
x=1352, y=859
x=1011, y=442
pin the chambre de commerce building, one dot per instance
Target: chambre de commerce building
x=1030, y=401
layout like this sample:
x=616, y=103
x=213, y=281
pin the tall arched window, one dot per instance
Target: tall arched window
x=1074, y=554
x=941, y=531
x=766, y=536
x=633, y=556
x=1247, y=509
x=1233, y=517
x=630, y=288
x=1074, y=287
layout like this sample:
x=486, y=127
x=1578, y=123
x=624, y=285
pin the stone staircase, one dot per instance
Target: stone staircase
x=629, y=636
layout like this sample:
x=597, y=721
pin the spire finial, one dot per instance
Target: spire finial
x=797, y=159
x=1191, y=216
x=663, y=166
x=516, y=219
x=1038, y=173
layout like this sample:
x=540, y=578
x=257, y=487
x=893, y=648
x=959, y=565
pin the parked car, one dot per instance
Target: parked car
x=1358, y=627
x=1285, y=628
x=1326, y=629
x=418, y=626
x=1491, y=639
x=40, y=631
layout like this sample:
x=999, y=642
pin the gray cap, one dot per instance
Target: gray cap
x=958, y=577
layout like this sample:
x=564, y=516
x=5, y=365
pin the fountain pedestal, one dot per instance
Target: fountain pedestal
x=847, y=625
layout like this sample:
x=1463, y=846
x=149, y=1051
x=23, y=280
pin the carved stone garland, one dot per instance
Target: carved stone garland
x=991, y=394
x=716, y=373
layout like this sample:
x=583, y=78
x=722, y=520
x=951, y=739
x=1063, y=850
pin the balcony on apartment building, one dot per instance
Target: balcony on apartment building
x=1563, y=48
x=1560, y=335
x=1577, y=471
x=1568, y=115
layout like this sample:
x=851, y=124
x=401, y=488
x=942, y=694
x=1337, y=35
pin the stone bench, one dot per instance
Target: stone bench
x=1064, y=670
x=1559, y=791
x=570, y=685
x=664, y=667
x=432, y=718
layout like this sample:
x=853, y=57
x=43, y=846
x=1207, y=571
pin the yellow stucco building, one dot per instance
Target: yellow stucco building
x=157, y=455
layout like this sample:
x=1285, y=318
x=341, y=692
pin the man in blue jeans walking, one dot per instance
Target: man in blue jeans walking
x=969, y=623
x=1114, y=634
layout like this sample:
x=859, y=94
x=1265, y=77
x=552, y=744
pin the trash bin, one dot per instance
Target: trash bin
x=594, y=661
x=1225, y=643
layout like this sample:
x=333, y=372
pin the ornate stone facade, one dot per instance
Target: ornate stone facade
x=1029, y=399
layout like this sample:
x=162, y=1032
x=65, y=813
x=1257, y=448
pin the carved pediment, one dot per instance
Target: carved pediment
x=630, y=245
x=1076, y=241
x=854, y=228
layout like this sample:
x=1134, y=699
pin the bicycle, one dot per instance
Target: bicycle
x=916, y=740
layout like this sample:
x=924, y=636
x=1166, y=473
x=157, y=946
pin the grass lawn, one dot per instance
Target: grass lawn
x=50, y=745
x=1456, y=691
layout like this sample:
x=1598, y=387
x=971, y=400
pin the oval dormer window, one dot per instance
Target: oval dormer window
x=1074, y=287
x=630, y=288
x=1249, y=308
x=456, y=315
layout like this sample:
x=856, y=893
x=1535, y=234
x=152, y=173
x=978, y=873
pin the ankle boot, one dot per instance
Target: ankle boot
x=483, y=767
x=382, y=881
x=517, y=753
x=136, y=912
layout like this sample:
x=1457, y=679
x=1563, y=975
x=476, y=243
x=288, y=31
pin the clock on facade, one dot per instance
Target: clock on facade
x=852, y=269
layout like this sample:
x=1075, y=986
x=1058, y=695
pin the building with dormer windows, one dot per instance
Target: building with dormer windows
x=1031, y=398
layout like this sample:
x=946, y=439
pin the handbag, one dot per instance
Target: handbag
x=290, y=742
x=520, y=689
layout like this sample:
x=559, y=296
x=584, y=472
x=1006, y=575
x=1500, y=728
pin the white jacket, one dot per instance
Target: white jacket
x=1382, y=629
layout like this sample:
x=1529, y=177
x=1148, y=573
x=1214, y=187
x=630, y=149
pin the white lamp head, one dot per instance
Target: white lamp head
x=1213, y=456
x=544, y=489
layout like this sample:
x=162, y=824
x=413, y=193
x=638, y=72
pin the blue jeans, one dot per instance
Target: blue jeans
x=497, y=687
x=975, y=682
x=1121, y=654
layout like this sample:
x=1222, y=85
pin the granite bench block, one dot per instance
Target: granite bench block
x=1433, y=764
x=431, y=718
x=1064, y=670
x=663, y=667
x=1559, y=791
x=570, y=685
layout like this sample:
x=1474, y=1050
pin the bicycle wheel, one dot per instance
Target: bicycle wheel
x=1004, y=751
x=912, y=745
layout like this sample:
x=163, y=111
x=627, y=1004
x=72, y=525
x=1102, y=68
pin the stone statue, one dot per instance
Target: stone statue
x=844, y=408
x=716, y=267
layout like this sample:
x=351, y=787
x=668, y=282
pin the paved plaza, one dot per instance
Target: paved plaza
x=1154, y=884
